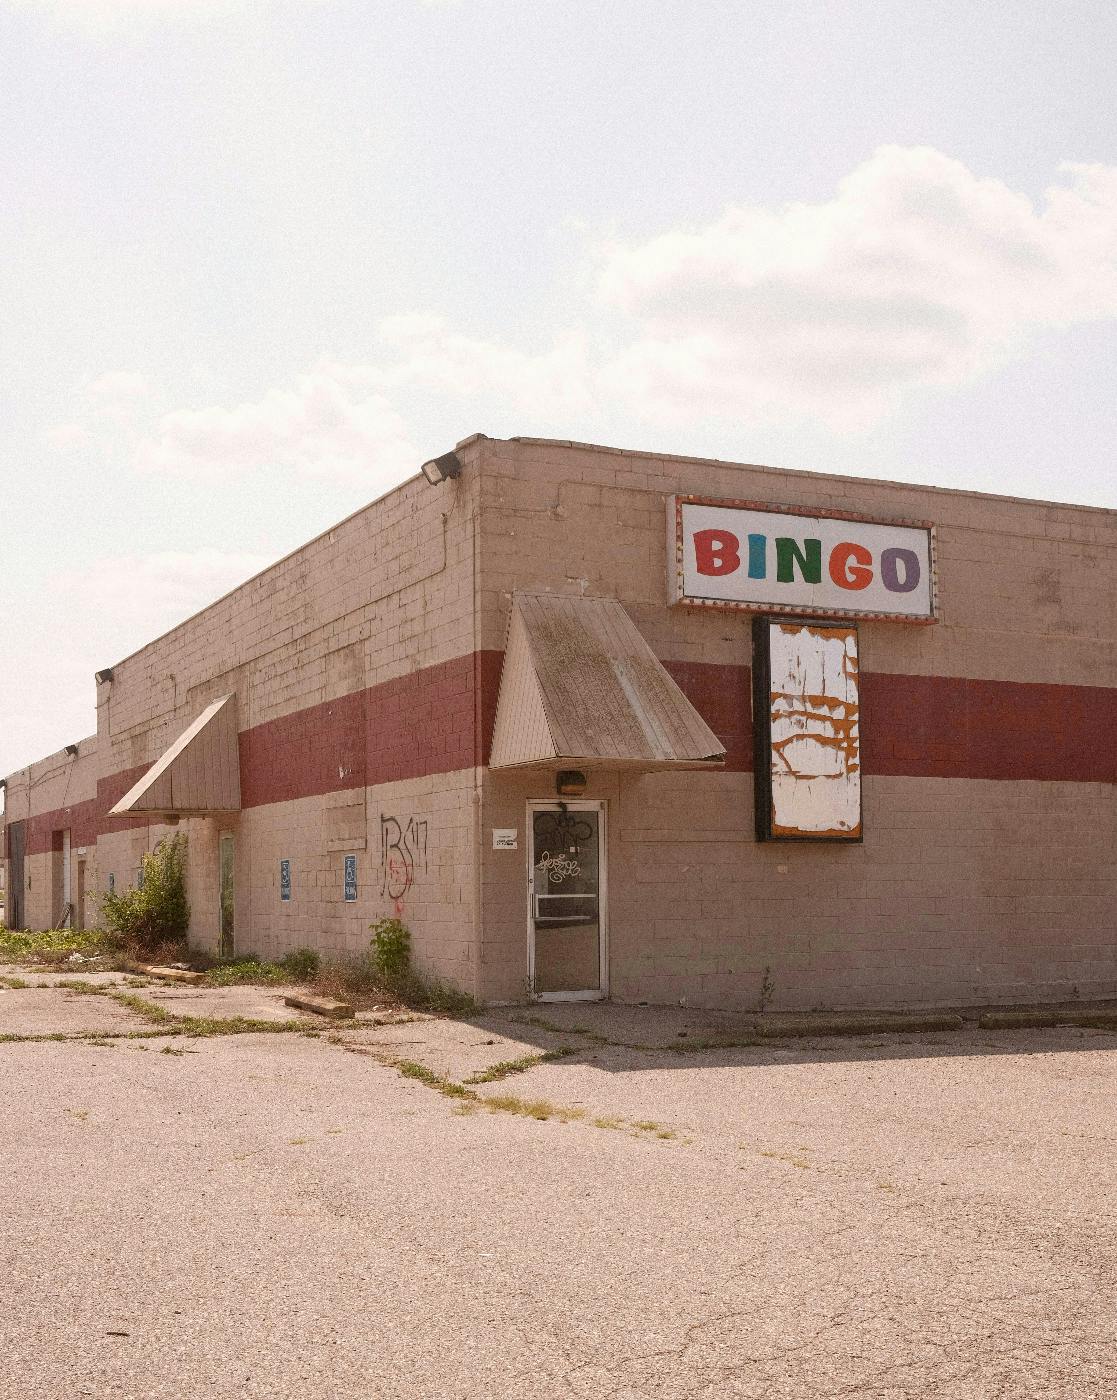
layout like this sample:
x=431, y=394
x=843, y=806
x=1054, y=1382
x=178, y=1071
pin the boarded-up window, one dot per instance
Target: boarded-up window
x=806, y=715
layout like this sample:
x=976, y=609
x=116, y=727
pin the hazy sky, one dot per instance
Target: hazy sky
x=258, y=258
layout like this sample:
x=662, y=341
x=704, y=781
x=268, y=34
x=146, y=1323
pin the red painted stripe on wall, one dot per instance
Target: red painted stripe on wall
x=722, y=695
x=440, y=720
x=950, y=727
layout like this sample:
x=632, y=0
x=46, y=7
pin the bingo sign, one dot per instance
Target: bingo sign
x=350, y=879
x=739, y=554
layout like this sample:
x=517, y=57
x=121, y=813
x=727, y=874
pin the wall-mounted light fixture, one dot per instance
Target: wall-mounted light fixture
x=102, y=676
x=71, y=749
x=570, y=783
x=448, y=467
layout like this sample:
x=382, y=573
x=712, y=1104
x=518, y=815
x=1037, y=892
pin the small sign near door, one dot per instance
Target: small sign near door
x=350, y=879
x=285, y=879
x=505, y=839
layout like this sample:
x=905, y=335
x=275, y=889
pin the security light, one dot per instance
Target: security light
x=71, y=749
x=446, y=467
x=102, y=676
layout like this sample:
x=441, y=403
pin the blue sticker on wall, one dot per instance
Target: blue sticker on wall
x=285, y=879
x=350, y=879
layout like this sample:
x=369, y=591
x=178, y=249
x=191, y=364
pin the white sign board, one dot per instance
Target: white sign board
x=505, y=839
x=739, y=554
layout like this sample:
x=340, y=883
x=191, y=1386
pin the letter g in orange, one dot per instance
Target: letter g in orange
x=846, y=575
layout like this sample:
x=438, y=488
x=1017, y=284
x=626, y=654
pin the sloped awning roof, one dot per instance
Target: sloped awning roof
x=198, y=775
x=581, y=687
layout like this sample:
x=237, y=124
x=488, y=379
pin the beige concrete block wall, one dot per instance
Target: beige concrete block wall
x=387, y=591
x=1026, y=589
x=416, y=861
x=964, y=890
x=951, y=899
x=54, y=795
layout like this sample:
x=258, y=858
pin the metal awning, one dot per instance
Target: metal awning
x=199, y=775
x=582, y=688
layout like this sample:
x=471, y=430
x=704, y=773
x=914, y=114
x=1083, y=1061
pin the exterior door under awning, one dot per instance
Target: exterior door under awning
x=199, y=775
x=581, y=688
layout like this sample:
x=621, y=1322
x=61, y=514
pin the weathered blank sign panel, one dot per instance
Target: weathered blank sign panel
x=807, y=706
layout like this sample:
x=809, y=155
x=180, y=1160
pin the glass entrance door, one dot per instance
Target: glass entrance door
x=566, y=899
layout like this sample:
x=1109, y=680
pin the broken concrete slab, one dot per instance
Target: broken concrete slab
x=56, y=1011
x=251, y=1002
x=172, y=974
x=321, y=1006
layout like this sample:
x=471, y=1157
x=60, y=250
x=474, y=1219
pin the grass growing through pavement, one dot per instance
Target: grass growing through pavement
x=504, y=1068
x=200, y=1026
x=542, y=1110
x=167, y=1023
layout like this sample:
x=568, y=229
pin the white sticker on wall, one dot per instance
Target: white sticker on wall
x=505, y=839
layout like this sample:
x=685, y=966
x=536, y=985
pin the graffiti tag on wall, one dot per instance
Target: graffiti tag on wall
x=403, y=856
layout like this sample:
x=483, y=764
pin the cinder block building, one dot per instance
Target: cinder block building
x=596, y=722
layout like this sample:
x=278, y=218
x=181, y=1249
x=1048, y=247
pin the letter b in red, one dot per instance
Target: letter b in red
x=716, y=552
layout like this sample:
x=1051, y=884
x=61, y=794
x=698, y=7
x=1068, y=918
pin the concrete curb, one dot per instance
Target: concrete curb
x=855, y=1024
x=1028, y=1020
x=321, y=1006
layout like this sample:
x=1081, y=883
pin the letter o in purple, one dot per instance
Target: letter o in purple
x=890, y=559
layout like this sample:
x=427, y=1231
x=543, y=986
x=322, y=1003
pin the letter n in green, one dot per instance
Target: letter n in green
x=809, y=560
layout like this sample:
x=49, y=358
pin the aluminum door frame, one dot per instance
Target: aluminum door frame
x=580, y=805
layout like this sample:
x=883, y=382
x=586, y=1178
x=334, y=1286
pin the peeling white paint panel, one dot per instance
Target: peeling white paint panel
x=815, y=730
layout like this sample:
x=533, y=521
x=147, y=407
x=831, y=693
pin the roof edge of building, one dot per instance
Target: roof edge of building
x=803, y=472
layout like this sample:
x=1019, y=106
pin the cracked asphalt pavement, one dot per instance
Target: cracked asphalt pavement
x=266, y=1215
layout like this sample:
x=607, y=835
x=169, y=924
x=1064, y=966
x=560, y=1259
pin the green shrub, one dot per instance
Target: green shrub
x=390, y=959
x=157, y=911
x=391, y=949
x=301, y=963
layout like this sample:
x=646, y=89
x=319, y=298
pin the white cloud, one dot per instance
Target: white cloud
x=67, y=437
x=117, y=386
x=331, y=424
x=916, y=273
x=129, y=599
x=423, y=350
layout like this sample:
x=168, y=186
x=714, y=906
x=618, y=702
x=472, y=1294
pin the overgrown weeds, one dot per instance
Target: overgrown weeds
x=156, y=911
x=299, y=965
x=53, y=945
x=382, y=977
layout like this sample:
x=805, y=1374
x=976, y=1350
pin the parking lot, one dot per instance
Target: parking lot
x=574, y=1201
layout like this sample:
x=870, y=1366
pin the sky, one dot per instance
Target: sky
x=260, y=258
